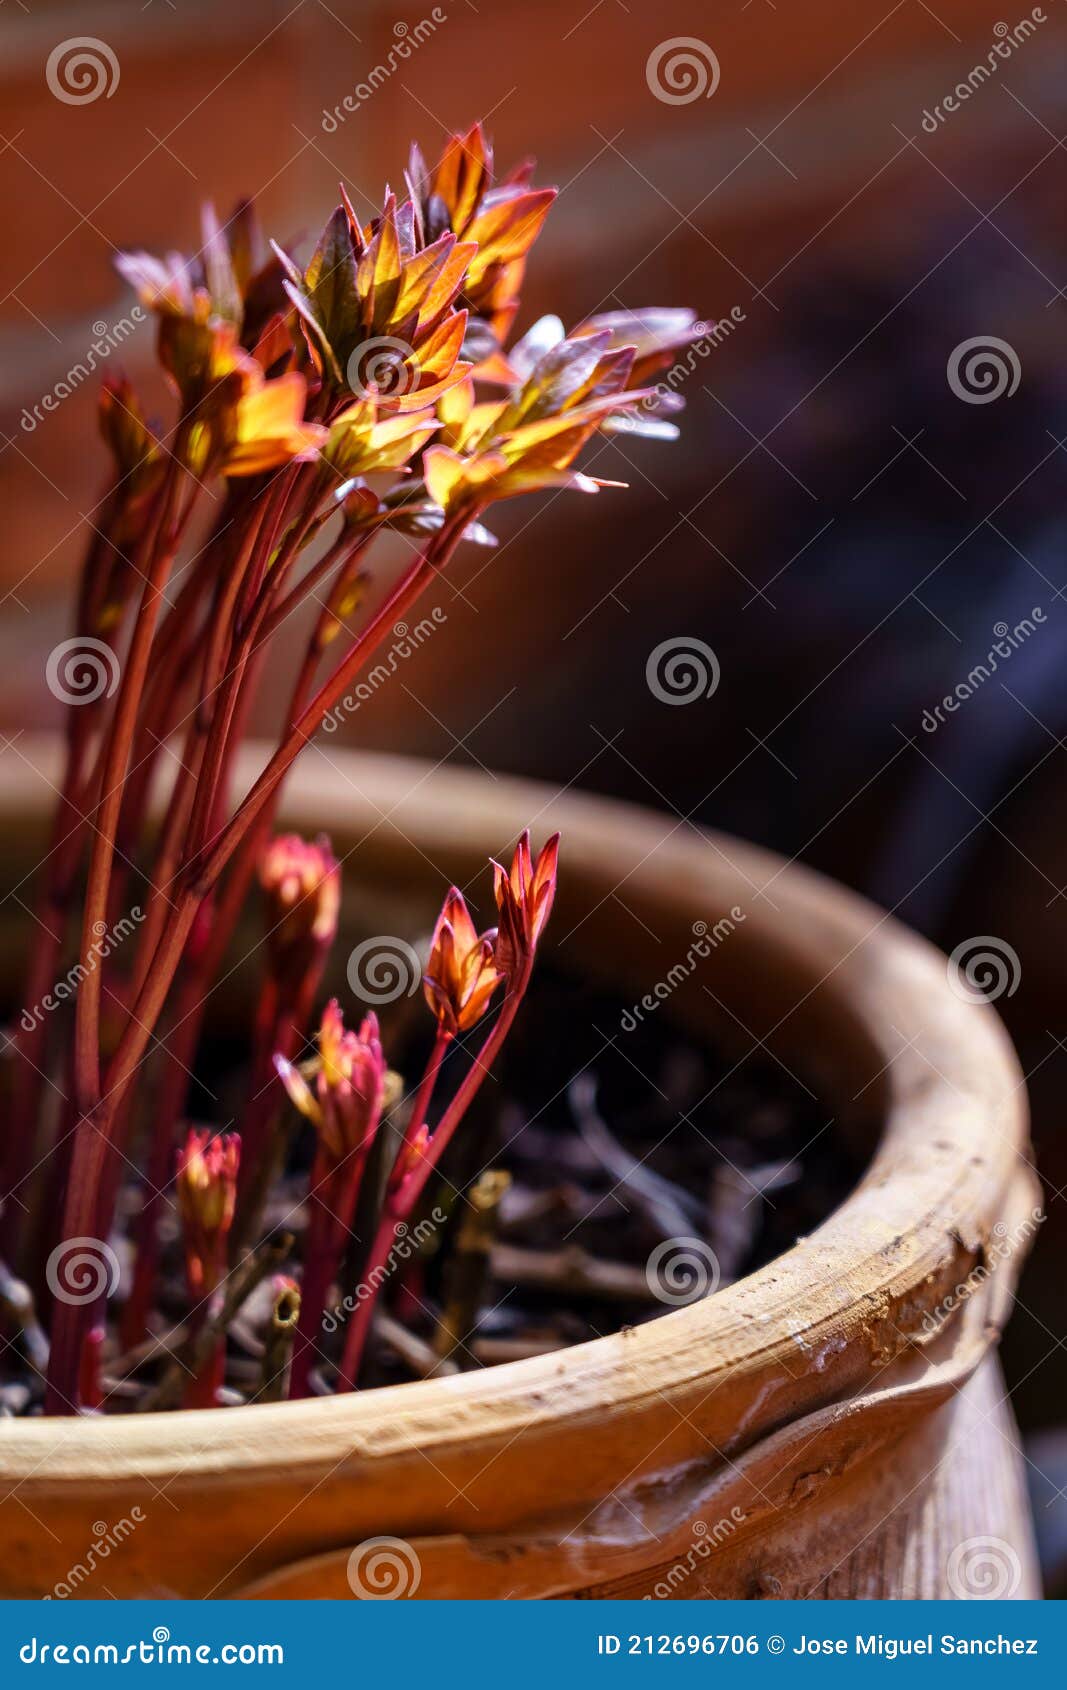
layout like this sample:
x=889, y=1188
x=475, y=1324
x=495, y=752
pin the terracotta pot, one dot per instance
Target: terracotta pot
x=831, y=1425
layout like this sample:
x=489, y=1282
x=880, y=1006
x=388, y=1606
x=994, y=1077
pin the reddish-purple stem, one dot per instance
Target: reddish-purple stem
x=401, y=1203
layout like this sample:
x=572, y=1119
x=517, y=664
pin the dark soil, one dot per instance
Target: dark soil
x=617, y=1142
x=645, y=1170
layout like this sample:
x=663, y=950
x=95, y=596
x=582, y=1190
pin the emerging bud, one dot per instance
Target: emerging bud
x=133, y=446
x=207, y=1192
x=501, y=215
x=139, y=467
x=377, y=314
x=343, y=1100
x=524, y=897
x=302, y=883
x=461, y=975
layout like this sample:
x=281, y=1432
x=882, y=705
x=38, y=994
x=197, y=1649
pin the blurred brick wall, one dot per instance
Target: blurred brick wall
x=660, y=202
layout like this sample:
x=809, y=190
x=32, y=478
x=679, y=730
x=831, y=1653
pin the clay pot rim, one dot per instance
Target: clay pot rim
x=950, y=1161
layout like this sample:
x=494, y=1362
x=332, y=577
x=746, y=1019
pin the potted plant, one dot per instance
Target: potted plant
x=750, y=1442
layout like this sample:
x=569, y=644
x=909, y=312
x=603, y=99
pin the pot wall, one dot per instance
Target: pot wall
x=799, y=1404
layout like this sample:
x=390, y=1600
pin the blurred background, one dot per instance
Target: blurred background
x=857, y=509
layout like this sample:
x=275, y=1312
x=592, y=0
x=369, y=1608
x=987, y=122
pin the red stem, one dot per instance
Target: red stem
x=421, y=1105
x=93, y=1134
x=87, y=1023
x=227, y=659
x=178, y=642
x=401, y=1203
x=218, y=852
x=201, y=965
x=90, y=1386
x=203, y=1389
x=203, y=873
x=331, y=1206
x=54, y=899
